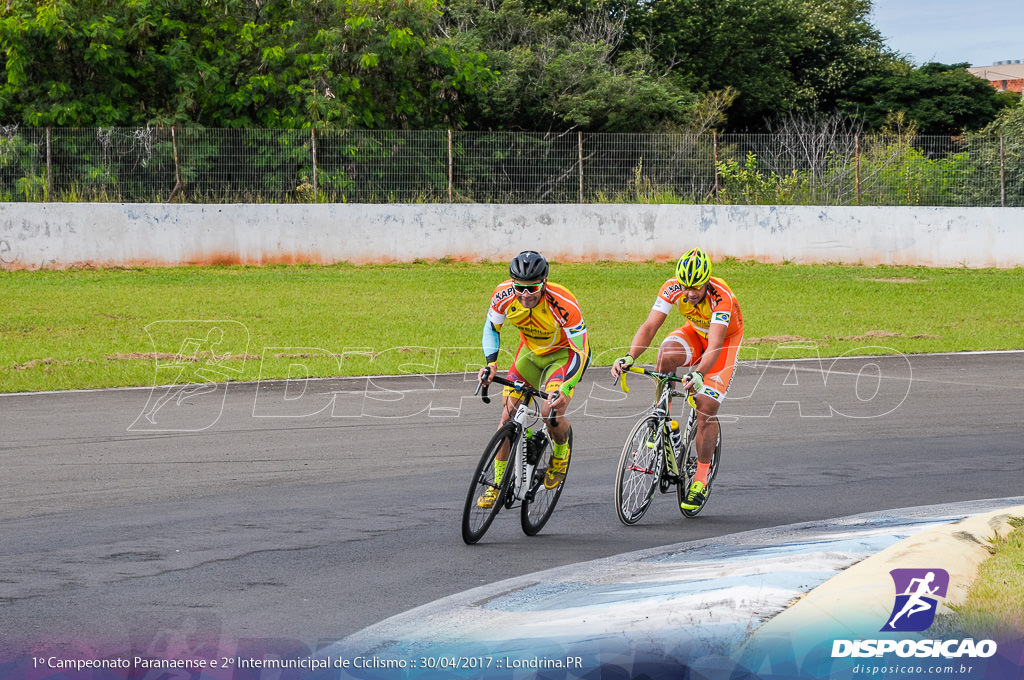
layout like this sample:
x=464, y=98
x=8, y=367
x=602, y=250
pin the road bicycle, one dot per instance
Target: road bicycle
x=658, y=456
x=526, y=437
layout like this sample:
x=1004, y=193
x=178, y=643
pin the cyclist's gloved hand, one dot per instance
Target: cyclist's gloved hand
x=621, y=364
x=696, y=380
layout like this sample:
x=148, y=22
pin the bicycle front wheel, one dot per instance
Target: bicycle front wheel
x=690, y=467
x=639, y=471
x=486, y=496
x=540, y=500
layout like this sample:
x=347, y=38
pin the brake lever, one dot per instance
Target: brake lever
x=481, y=388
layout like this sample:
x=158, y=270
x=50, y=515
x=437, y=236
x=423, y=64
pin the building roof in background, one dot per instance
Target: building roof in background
x=1001, y=70
x=1004, y=75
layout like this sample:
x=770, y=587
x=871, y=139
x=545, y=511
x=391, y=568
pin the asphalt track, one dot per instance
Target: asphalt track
x=296, y=513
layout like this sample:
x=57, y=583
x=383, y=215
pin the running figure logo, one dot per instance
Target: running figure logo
x=917, y=597
x=194, y=361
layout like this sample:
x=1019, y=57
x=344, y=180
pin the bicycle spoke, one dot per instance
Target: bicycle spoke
x=643, y=466
x=638, y=473
x=477, y=514
x=540, y=501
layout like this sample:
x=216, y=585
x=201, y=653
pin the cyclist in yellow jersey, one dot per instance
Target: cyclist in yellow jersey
x=552, y=356
x=706, y=346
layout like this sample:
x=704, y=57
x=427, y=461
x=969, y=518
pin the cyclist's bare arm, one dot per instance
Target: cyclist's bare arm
x=642, y=339
x=648, y=329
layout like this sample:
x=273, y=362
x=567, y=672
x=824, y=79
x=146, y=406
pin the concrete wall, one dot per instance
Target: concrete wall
x=45, y=235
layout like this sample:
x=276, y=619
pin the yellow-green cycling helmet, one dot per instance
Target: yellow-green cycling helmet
x=693, y=268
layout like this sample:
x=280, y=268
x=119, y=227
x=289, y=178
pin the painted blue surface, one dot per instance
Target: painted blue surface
x=680, y=612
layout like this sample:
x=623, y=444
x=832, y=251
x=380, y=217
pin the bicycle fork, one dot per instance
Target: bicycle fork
x=658, y=441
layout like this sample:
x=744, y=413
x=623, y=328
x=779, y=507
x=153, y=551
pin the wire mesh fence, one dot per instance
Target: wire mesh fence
x=431, y=166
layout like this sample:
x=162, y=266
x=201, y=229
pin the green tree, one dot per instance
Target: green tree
x=546, y=65
x=841, y=48
x=942, y=99
x=564, y=69
x=781, y=56
x=88, y=63
x=388, y=64
x=233, y=63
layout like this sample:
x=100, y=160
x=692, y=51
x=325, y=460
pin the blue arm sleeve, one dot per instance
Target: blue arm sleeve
x=491, y=341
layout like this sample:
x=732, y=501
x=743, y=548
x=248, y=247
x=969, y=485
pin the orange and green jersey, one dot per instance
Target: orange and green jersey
x=555, y=323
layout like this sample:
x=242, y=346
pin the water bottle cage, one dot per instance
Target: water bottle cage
x=535, y=446
x=677, y=440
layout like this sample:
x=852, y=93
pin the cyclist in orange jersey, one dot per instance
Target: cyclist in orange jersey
x=706, y=346
x=552, y=356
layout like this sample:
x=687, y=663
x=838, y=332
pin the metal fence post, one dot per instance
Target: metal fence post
x=856, y=156
x=49, y=166
x=451, y=164
x=177, y=167
x=579, y=147
x=714, y=146
x=316, y=192
x=1002, y=172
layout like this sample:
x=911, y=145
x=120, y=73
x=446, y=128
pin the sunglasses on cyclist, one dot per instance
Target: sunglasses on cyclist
x=527, y=287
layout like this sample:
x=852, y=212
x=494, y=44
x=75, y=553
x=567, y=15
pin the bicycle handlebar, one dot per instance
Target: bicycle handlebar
x=518, y=386
x=668, y=378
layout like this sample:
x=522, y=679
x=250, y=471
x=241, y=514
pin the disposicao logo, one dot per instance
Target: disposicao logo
x=917, y=598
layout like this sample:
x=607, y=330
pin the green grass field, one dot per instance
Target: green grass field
x=119, y=327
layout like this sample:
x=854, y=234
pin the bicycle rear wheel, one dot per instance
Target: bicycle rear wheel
x=690, y=467
x=639, y=471
x=476, y=519
x=540, y=501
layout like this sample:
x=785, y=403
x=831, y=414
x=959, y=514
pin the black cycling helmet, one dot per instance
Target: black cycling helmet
x=528, y=265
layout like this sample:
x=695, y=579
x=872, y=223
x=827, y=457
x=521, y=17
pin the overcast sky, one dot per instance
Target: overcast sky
x=980, y=32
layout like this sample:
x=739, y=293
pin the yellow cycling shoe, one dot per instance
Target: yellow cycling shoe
x=487, y=498
x=556, y=471
x=696, y=497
